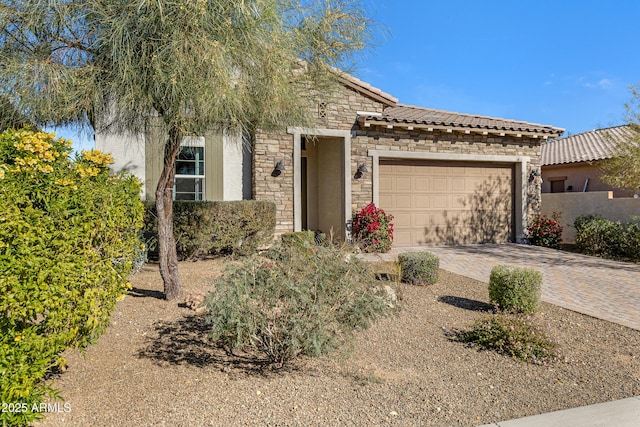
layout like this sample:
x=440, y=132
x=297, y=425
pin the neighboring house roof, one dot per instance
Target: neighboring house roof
x=431, y=119
x=589, y=146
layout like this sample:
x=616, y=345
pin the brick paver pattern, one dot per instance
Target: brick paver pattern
x=601, y=288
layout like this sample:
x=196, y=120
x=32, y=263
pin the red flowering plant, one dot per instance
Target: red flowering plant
x=372, y=229
x=543, y=231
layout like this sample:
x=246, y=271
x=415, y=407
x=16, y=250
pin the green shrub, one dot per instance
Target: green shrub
x=419, y=268
x=546, y=232
x=515, y=288
x=372, y=229
x=517, y=336
x=68, y=235
x=294, y=301
x=207, y=228
x=305, y=238
x=613, y=239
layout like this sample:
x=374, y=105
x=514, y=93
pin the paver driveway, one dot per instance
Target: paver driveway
x=601, y=288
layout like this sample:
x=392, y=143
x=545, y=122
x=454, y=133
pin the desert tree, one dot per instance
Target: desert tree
x=623, y=169
x=191, y=65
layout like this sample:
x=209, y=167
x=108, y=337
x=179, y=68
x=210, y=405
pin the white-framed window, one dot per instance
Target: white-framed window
x=189, y=181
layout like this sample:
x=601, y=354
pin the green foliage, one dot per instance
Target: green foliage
x=294, y=301
x=544, y=231
x=184, y=59
x=178, y=67
x=209, y=228
x=602, y=237
x=517, y=336
x=303, y=238
x=68, y=234
x=419, y=268
x=372, y=229
x=623, y=169
x=515, y=288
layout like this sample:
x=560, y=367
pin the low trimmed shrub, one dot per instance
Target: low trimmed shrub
x=517, y=336
x=613, y=239
x=303, y=238
x=543, y=231
x=419, y=268
x=372, y=229
x=68, y=236
x=204, y=228
x=294, y=301
x=515, y=289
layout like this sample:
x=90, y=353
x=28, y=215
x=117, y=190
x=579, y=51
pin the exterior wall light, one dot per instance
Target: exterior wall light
x=362, y=168
x=535, y=173
x=278, y=168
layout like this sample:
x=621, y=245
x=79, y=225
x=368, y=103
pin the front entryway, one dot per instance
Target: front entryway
x=322, y=185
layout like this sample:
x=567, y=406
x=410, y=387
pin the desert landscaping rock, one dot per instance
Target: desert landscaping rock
x=155, y=366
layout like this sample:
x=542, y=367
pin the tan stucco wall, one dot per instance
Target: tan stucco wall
x=576, y=174
x=572, y=205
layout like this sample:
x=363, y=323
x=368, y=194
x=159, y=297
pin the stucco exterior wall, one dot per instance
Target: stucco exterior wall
x=128, y=152
x=576, y=174
x=572, y=205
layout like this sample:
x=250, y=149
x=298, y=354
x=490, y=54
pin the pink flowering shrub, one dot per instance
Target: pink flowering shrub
x=372, y=229
x=545, y=232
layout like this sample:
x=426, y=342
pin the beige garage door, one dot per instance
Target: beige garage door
x=447, y=202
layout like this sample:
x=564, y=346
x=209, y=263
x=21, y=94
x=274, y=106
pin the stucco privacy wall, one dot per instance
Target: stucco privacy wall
x=602, y=203
x=341, y=112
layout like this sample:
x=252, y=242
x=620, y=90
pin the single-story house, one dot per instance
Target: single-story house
x=445, y=177
x=571, y=164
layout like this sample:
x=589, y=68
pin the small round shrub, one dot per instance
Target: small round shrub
x=515, y=288
x=517, y=336
x=295, y=300
x=543, y=231
x=419, y=268
x=372, y=229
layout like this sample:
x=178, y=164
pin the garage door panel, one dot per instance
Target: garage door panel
x=439, y=185
x=402, y=183
x=386, y=199
x=447, y=203
x=385, y=183
x=421, y=183
x=421, y=201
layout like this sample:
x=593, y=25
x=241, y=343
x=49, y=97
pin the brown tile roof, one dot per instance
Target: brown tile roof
x=367, y=89
x=597, y=144
x=428, y=117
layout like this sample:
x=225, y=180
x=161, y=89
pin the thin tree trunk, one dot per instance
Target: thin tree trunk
x=168, y=256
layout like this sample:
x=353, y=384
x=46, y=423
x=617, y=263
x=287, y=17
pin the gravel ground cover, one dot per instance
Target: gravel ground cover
x=154, y=366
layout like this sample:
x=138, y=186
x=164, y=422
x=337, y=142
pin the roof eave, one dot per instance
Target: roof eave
x=367, y=122
x=367, y=90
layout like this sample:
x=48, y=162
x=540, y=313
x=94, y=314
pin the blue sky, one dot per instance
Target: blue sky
x=566, y=63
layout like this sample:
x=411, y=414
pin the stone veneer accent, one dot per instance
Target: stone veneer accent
x=341, y=113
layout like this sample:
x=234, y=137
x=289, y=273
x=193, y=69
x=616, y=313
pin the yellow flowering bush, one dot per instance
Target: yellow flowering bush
x=68, y=236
